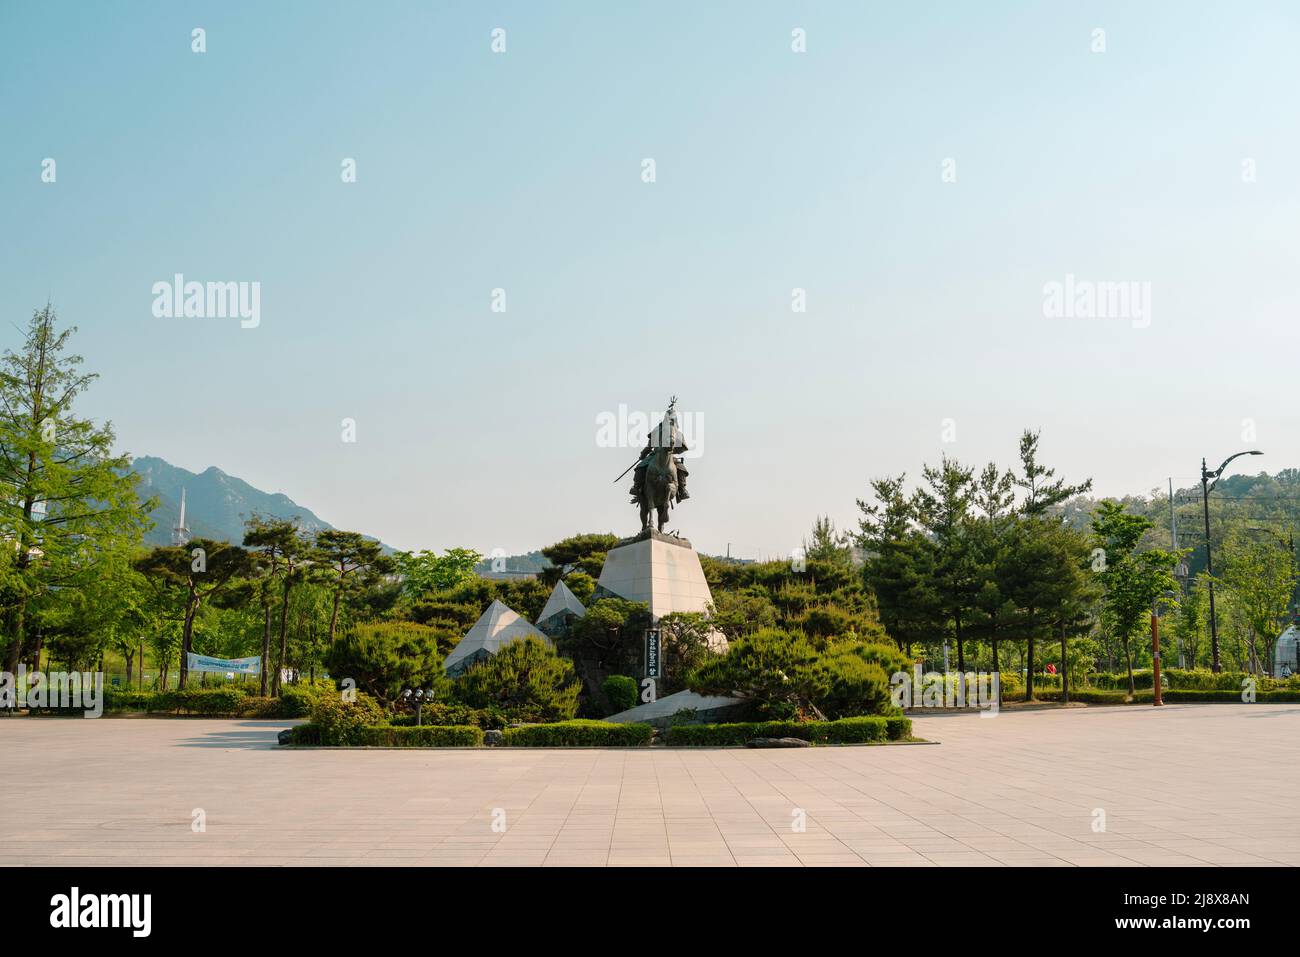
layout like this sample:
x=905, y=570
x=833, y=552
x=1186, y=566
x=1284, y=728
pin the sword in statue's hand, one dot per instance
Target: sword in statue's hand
x=626, y=470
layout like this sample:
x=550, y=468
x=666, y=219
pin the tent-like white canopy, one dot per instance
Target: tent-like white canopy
x=496, y=628
x=562, y=603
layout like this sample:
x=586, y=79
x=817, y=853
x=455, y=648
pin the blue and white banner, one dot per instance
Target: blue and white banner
x=240, y=666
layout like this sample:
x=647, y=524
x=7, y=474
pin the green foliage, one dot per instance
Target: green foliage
x=859, y=730
x=579, y=734
x=1132, y=579
x=611, y=634
x=424, y=572
x=621, y=692
x=525, y=679
x=786, y=675
x=207, y=701
x=451, y=713
x=70, y=503
x=424, y=736
x=849, y=684
x=340, y=722
x=773, y=668
x=584, y=553
x=386, y=658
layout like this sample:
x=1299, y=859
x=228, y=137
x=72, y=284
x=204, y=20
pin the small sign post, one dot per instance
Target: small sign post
x=652, y=662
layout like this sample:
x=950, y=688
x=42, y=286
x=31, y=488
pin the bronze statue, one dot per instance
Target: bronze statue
x=659, y=479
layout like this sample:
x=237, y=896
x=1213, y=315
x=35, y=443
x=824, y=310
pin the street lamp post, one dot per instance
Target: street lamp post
x=419, y=695
x=1207, y=486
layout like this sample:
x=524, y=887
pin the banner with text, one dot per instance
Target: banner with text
x=240, y=666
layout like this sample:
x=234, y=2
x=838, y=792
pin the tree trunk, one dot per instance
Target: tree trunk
x=16, y=646
x=1029, y=670
x=334, y=616
x=997, y=670
x=961, y=655
x=1128, y=663
x=1065, y=670
x=284, y=640
x=266, y=643
x=187, y=635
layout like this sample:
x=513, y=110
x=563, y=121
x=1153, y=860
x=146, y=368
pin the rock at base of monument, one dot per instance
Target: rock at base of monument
x=778, y=743
x=285, y=736
x=656, y=535
x=493, y=738
x=696, y=708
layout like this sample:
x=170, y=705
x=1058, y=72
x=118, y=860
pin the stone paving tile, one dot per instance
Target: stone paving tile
x=1175, y=785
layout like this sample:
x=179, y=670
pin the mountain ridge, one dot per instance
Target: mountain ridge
x=216, y=502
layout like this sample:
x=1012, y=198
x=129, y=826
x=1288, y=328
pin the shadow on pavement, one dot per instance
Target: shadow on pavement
x=245, y=734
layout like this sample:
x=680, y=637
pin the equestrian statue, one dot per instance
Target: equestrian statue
x=659, y=477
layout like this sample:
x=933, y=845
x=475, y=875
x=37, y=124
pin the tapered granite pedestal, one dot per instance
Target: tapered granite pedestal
x=661, y=570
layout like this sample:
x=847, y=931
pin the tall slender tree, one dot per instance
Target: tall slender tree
x=899, y=565
x=69, y=503
x=1133, y=579
x=943, y=507
x=347, y=562
x=284, y=556
x=202, y=568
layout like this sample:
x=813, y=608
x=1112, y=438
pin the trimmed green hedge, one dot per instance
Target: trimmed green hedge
x=1171, y=695
x=1213, y=696
x=1085, y=695
x=861, y=730
x=189, y=701
x=389, y=736
x=579, y=733
x=424, y=736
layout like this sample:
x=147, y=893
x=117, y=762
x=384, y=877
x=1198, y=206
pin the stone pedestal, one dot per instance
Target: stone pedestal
x=661, y=570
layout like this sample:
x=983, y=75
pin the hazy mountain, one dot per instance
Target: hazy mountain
x=216, y=504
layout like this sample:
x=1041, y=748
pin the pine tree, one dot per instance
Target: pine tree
x=69, y=504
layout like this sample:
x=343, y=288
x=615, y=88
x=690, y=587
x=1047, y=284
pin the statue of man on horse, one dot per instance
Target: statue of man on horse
x=659, y=477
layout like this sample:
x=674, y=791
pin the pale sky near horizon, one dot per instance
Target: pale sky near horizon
x=775, y=170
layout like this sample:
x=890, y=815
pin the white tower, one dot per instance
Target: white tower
x=181, y=532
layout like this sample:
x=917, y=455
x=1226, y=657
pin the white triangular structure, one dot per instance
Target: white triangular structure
x=562, y=603
x=1286, y=660
x=496, y=628
x=710, y=708
x=181, y=531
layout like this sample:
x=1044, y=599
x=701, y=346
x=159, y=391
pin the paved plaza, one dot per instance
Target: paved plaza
x=1183, y=785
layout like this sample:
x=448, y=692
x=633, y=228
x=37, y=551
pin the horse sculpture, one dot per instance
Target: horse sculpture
x=660, y=488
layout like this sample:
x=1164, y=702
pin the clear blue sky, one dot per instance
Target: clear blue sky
x=775, y=170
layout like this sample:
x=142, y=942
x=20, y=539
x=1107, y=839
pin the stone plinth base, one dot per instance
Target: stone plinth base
x=661, y=570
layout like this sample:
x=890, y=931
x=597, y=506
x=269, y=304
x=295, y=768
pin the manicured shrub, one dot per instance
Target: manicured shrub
x=296, y=702
x=308, y=734
x=898, y=727
x=526, y=679
x=849, y=685
x=345, y=723
x=385, y=658
x=859, y=730
x=424, y=736
x=786, y=675
x=452, y=713
x=1216, y=696
x=621, y=692
x=579, y=733
x=1081, y=695
x=211, y=701
x=772, y=668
